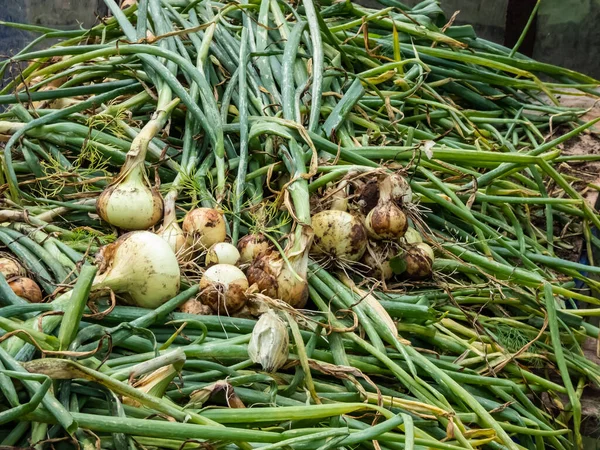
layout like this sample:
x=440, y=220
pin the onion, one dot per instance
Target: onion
x=222, y=253
x=376, y=259
x=223, y=288
x=204, y=227
x=397, y=188
x=170, y=230
x=419, y=261
x=140, y=265
x=269, y=342
x=412, y=236
x=338, y=234
x=26, y=288
x=273, y=277
x=10, y=267
x=386, y=221
x=194, y=306
x=252, y=245
x=129, y=202
x=339, y=199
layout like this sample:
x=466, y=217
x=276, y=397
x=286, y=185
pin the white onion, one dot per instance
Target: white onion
x=174, y=236
x=338, y=234
x=222, y=253
x=204, y=227
x=129, y=202
x=223, y=287
x=141, y=265
x=269, y=342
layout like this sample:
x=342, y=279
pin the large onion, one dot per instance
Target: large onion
x=204, y=227
x=223, y=287
x=140, y=265
x=338, y=234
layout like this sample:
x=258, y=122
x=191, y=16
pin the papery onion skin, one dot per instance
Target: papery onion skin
x=251, y=246
x=222, y=253
x=223, y=287
x=204, y=227
x=338, y=234
x=27, y=289
x=130, y=204
x=269, y=342
x=386, y=221
x=419, y=261
x=141, y=265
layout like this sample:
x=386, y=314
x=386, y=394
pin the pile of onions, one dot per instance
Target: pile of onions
x=223, y=287
x=204, y=227
x=338, y=234
x=140, y=265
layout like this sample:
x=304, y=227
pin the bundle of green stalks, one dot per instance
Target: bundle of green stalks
x=359, y=225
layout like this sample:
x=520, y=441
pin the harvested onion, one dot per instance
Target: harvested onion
x=222, y=253
x=223, y=288
x=419, y=261
x=26, y=288
x=10, y=267
x=386, y=221
x=170, y=230
x=269, y=342
x=376, y=259
x=252, y=245
x=204, y=227
x=338, y=234
x=140, y=265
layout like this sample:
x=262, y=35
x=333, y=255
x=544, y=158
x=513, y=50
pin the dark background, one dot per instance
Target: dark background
x=565, y=33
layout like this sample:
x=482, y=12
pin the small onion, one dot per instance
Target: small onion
x=10, y=267
x=223, y=288
x=419, y=261
x=269, y=342
x=194, y=306
x=174, y=235
x=386, y=221
x=222, y=253
x=252, y=245
x=204, y=227
x=26, y=288
x=141, y=265
x=376, y=259
x=338, y=234
x=129, y=202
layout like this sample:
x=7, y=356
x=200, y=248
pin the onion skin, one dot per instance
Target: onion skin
x=130, y=203
x=223, y=287
x=251, y=246
x=27, y=289
x=338, y=234
x=10, y=268
x=204, y=227
x=386, y=221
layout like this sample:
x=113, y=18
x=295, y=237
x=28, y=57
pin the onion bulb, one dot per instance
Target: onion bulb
x=412, y=236
x=140, y=265
x=170, y=230
x=194, y=306
x=386, y=221
x=222, y=253
x=419, y=261
x=223, y=288
x=339, y=198
x=397, y=188
x=26, y=288
x=376, y=259
x=204, y=227
x=10, y=267
x=338, y=234
x=274, y=277
x=252, y=245
x=129, y=202
x=269, y=342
